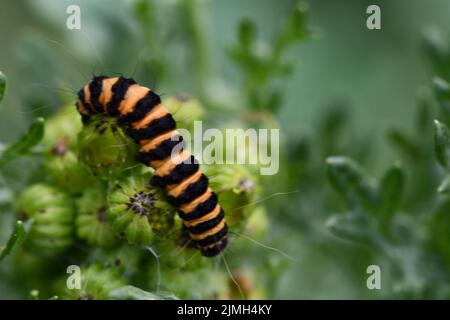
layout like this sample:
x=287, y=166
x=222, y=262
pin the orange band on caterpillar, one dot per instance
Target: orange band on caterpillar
x=139, y=111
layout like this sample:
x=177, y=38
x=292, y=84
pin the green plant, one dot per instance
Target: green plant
x=87, y=201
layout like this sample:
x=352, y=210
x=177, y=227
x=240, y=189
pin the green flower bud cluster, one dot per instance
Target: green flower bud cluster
x=64, y=169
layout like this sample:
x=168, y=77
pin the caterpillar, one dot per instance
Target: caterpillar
x=138, y=110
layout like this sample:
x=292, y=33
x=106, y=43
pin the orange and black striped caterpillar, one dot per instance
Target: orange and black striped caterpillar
x=139, y=112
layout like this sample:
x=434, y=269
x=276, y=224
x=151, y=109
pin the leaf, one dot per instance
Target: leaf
x=438, y=228
x=34, y=294
x=391, y=190
x=17, y=236
x=24, y=144
x=351, y=182
x=424, y=114
x=350, y=226
x=134, y=293
x=442, y=143
x=295, y=29
x=444, y=187
x=442, y=90
x=332, y=125
x=2, y=86
x=404, y=143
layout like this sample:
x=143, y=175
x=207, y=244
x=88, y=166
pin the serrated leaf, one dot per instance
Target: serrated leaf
x=391, y=190
x=442, y=143
x=134, y=293
x=351, y=182
x=17, y=236
x=350, y=226
x=25, y=143
x=2, y=85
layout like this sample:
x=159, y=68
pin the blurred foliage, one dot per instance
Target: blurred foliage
x=330, y=207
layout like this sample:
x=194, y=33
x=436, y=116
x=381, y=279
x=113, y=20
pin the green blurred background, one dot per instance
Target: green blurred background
x=375, y=74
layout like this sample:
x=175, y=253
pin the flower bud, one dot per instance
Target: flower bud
x=105, y=148
x=92, y=223
x=257, y=223
x=52, y=213
x=138, y=212
x=204, y=283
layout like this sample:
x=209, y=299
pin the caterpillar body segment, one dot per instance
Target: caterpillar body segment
x=139, y=111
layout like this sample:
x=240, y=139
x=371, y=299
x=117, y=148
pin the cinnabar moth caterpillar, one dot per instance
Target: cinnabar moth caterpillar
x=139, y=112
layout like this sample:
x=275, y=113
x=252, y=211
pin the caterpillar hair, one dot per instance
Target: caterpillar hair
x=139, y=112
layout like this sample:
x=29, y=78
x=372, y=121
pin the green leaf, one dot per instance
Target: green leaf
x=297, y=22
x=246, y=33
x=438, y=49
x=25, y=143
x=2, y=86
x=16, y=238
x=442, y=90
x=391, y=190
x=404, y=143
x=444, y=187
x=34, y=294
x=350, y=226
x=351, y=182
x=438, y=229
x=134, y=293
x=442, y=143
